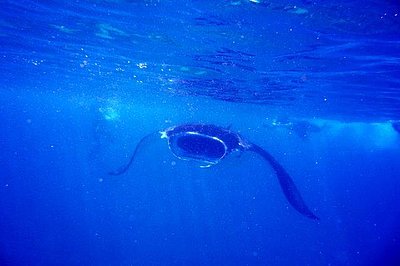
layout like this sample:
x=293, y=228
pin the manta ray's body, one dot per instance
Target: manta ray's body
x=209, y=144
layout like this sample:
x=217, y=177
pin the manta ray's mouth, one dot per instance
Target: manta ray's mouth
x=196, y=146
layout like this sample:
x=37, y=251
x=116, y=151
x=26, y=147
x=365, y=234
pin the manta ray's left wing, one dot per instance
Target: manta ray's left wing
x=288, y=187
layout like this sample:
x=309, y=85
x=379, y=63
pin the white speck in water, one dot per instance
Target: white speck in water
x=142, y=65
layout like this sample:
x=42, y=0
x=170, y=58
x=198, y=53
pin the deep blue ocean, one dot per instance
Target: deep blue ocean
x=314, y=83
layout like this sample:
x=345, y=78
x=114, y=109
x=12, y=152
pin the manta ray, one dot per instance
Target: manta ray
x=209, y=144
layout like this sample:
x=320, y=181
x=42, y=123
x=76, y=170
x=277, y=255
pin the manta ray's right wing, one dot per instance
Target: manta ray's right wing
x=289, y=188
x=125, y=167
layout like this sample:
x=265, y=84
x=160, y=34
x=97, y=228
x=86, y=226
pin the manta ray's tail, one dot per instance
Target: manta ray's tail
x=289, y=188
x=125, y=167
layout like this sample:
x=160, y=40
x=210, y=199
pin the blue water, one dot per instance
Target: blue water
x=315, y=83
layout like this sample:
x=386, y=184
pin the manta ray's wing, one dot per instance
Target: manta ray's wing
x=289, y=188
x=125, y=167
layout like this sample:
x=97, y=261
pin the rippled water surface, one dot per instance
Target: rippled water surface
x=336, y=58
